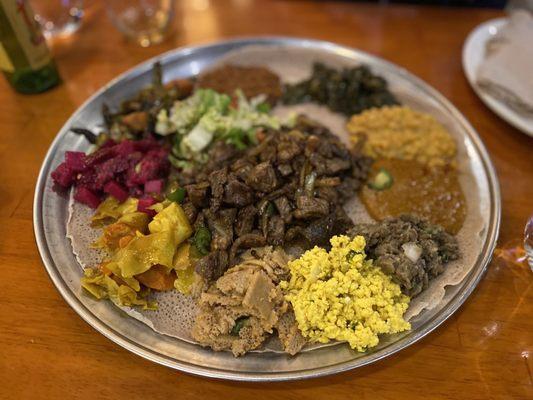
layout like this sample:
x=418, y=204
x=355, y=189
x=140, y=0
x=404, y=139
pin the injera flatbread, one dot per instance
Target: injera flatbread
x=176, y=312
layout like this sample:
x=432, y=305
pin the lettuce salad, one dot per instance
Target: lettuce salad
x=207, y=116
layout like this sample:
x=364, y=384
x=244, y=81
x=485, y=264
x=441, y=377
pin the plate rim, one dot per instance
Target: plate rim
x=472, y=278
x=479, y=36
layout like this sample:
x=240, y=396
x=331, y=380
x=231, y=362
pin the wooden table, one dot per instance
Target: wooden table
x=46, y=351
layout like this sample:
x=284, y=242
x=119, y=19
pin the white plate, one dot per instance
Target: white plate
x=473, y=55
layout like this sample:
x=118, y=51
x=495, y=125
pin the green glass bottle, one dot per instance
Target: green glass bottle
x=24, y=56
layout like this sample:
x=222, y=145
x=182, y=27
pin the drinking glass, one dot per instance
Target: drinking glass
x=518, y=253
x=58, y=17
x=144, y=21
x=528, y=241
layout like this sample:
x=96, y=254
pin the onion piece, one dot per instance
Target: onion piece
x=309, y=184
x=412, y=251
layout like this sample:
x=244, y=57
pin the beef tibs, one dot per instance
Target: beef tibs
x=287, y=190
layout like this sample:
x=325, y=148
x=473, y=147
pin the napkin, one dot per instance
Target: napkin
x=507, y=71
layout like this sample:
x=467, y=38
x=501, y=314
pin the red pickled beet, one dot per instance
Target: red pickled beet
x=144, y=203
x=63, y=175
x=153, y=165
x=124, y=148
x=154, y=186
x=108, y=143
x=85, y=196
x=75, y=160
x=147, y=145
x=110, y=170
x=130, y=167
x=99, y=156
x=115, y=190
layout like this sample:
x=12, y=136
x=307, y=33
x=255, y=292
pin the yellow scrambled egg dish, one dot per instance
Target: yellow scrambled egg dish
x=339, y=295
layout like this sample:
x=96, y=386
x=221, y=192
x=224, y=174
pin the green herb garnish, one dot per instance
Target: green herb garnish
x=202, y=240
x=177, y=195
x=240, y=323
x=351, y=254
x=263, y=107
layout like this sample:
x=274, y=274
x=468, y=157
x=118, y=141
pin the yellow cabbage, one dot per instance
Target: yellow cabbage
x=102, y=286
x=137, y=220
x=185, y=280
x=115, y=269
x=184, y=267
x=144, y=251
x=110, y=210
x=182, y=258
x=168, y=229
x=127, y=225
x=172, y=218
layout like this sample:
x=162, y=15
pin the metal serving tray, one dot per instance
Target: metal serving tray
x=51, y=212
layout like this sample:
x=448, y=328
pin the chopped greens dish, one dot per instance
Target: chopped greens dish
x=206, y=116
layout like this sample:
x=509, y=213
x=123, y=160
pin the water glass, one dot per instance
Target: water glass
x=144, y=21
x=528, y=241
x=58, y=17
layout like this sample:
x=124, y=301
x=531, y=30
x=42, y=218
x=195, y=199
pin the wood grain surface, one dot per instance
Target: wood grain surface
x=47, y=352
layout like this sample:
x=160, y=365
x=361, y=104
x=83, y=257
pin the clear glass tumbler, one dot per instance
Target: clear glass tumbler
x=528, y=241
x=58, y=17
x=144, y=21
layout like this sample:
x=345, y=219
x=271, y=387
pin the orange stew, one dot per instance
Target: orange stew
x=416, y=189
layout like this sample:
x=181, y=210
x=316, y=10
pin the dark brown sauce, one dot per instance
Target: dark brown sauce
x=433, y=193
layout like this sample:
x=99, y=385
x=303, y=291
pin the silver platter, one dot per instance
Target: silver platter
x=51, y=211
